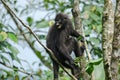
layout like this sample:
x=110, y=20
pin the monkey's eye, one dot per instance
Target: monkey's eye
x=58, y=20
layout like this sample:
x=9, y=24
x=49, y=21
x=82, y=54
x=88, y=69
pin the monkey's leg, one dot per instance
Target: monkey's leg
x=55, y=70
x=78, y=50
x=64, y=53
x=76, y=71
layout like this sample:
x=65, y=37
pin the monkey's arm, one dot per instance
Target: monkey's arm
x=77, y=35
x=74, y=33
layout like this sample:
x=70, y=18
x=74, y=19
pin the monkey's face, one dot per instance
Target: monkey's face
x=60, y=20
x=58, y=23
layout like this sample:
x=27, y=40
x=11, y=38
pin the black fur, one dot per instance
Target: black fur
x=61, y=41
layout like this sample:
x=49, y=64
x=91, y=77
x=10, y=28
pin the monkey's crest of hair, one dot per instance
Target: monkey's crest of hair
x=61, y=15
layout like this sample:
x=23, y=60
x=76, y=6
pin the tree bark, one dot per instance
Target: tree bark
x=79, y=28
x=116, y=44
x=108, y=30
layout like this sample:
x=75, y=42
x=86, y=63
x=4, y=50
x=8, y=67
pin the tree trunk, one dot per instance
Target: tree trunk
x=79, y=28
x=108, y=30
x=116, y=44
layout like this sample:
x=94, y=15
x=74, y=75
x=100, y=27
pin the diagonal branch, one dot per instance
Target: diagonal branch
x=28, y=41
x=15, y=69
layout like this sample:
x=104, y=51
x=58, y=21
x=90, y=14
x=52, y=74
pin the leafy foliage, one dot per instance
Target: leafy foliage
x=30, y=20
x=96, y=67
x=12, y=36
x=91, y=64
x=92, y=19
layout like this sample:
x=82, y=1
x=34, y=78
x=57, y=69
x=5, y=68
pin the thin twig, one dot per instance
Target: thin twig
x=15, y=69
x=87, y=50
x=47, y=49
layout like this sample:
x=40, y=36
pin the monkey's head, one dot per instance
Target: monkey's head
x=61, y=20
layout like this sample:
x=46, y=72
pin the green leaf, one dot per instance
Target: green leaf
x=99, y=9
x=1, y=37
x=13, y=49
x=80, y=37
x=15, y=68
x=12, y=36
x=42, y=24
x=91, y=64
x=94, y=41
x=87, y=22
x=89, y=69
x=5, y=59
x=87, y=32
x=64, y=78
x=38, y=53
x=24, y=78
x=16, y=77
x=30, y=20
x=1, y=26
x=15, y=1
x=34, y=62
x=98, y=72
x=99, y=28
x=14, y=52
x=119, y=68
x=46, y=5
x=97, y=51
x=87, y=8
x=41, y=37
x=94, y=17
x=96, y=62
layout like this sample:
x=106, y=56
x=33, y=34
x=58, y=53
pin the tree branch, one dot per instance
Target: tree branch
x=27, y=40
x=78, y=24
x=79, y=28
x=16, y=69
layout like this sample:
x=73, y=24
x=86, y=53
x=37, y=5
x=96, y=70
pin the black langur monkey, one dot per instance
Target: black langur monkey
x=61, y=41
